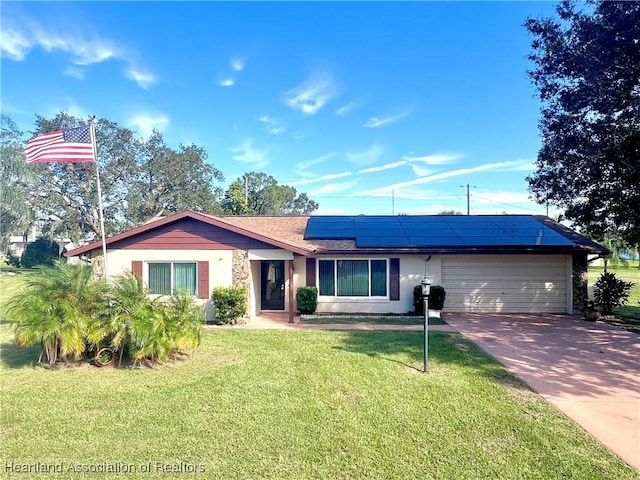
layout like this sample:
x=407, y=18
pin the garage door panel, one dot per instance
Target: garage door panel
x=505, y=284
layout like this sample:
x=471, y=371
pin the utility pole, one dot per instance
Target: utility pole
x=468, y=196
x=393, y=202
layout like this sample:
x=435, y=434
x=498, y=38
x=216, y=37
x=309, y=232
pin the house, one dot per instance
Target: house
x=363, y=264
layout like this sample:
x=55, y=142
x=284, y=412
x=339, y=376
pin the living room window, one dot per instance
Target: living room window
x=353, y=278
x=167, y=278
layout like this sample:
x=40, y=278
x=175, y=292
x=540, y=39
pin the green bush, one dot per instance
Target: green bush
x=42, y=252
x=610, y=292
x=307, y=299
x=437, y=296
x=230, y=304
x=418, y=301
x=13, y=260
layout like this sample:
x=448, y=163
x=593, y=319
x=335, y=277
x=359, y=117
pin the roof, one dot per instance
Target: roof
x=307, y=235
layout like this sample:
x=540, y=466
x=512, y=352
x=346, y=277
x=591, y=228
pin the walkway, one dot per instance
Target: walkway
x=590, y=371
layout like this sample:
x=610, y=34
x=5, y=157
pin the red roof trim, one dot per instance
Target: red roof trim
x=196, y=216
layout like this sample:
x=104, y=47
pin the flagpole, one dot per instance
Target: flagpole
x=95, y=156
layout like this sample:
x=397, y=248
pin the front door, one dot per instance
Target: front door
x=272, y=285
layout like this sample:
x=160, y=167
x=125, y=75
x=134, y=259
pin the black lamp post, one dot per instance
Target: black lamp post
x=426, y=287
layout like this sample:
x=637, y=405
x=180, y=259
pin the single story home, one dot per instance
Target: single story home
x=360, y=264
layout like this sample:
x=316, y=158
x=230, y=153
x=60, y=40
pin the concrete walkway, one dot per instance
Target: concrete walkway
x=590, y=371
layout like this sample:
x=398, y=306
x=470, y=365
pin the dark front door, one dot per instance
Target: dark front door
x=272, y=285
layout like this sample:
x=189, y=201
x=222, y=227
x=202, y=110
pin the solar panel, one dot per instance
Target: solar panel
x=436, y=230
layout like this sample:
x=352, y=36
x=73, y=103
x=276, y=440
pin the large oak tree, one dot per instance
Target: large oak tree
x=586, y=69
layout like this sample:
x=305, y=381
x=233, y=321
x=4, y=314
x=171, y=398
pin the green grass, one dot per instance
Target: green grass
x=295, y=405
x=391, y=320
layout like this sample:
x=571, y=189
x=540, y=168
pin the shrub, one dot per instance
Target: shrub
x=42, y=252
x=610, y=292
x=230, y=304
x=307, y=299
x=418, y=301
x=56, y=309
x=13, y=260
x=437, y=297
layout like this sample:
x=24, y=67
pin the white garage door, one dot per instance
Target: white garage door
x=506, y=283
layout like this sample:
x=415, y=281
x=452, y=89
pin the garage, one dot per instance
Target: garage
x=529, y=283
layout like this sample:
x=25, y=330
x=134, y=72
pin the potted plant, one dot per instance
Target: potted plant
x=105, y=357
x=590, y=312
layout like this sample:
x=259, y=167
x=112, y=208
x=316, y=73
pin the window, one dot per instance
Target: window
x=353, y=278
x=169, y=278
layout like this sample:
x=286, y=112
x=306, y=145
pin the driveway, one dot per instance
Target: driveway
x=590, y=371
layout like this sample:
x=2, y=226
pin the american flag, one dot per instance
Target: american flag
x=68, y=145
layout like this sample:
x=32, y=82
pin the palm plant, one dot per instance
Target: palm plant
x=55, y=308
x=128, y=301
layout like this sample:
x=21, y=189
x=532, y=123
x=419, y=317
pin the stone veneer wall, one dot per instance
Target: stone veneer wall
x=580, y=281
x=241, y=272
x=97, y=267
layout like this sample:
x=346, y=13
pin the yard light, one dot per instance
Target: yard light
x=426, y=288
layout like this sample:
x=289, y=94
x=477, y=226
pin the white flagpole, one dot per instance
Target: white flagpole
x=95, y=157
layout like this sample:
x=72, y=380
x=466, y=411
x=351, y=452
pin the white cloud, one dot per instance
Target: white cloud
x=345, y=109
x=380, y=168
x=18, y=38
x=332, y=188
x=272, y=125
x=388, y=119
x=331, y=176
x=227, y=82
x=316, y=161
x=511, y=165
x=247, y=153
x=435, y=159
x=416, y=163
x=14, y=44
x=311, y=95
x=145, y=123
x=144, y=79
x=75, y=72
x=237, y=64
x=369, y=156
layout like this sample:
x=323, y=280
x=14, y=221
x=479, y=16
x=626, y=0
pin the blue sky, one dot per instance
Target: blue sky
x=369, y=107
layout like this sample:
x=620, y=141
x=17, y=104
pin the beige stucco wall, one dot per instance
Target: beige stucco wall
x=412, y=270
x=220, y=262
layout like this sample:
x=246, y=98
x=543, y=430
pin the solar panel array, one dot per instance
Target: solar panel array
x=435, y=231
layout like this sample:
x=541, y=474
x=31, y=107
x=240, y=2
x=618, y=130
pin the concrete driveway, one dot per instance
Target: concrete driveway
x=590, y=371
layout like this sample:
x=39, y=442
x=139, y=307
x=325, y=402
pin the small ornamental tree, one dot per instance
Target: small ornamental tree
x=307, y=299
x=610, y=292
x=42, y=252
x=230, y=304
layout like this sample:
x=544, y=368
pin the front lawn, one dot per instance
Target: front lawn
x=294, y=404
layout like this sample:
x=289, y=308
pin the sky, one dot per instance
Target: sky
x=368, y=107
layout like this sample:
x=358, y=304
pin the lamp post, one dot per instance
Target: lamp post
x=426, y=287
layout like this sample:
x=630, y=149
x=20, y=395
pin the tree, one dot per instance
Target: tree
x=450, y=212
x=16, y=214
x=169, y=181
x=266, y=197
x=65, y=196
x=587, y=75
x=140, y=179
